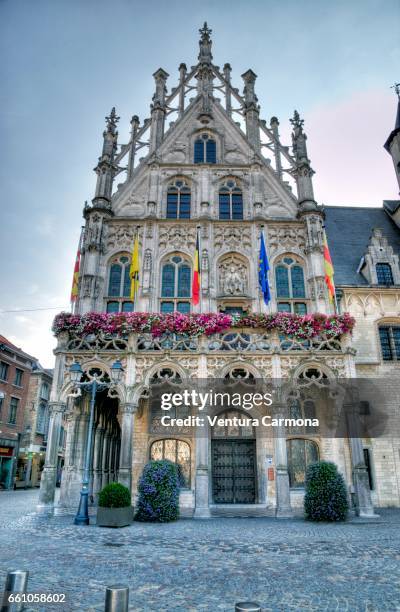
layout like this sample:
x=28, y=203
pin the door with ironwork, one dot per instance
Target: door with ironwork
x=233, y=471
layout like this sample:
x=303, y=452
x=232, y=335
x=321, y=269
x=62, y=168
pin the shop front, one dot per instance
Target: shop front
x=7, y=458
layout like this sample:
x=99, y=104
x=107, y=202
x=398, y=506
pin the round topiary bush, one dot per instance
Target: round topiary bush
x=114, y=495
x=326, y=495
x=158, y=492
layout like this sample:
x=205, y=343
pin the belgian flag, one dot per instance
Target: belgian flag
x=196, y=273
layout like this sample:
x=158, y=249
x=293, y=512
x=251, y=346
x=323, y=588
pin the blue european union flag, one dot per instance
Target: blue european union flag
x=263, y=267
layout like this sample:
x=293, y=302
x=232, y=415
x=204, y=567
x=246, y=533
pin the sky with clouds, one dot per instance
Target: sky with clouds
x=65, y=63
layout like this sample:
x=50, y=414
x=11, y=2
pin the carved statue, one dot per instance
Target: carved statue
x=233, y=277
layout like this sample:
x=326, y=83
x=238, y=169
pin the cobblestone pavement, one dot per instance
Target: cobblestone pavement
x=205, y=565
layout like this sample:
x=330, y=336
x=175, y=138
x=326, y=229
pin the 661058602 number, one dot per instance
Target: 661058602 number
x=35, y=597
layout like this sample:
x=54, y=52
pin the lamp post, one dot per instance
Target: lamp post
x=94, y=385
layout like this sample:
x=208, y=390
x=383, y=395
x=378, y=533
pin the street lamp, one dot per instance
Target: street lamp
x=94, y=385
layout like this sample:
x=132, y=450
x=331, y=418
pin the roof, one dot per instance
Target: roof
x=391, y=205
x=13, y=347
x=348, y=230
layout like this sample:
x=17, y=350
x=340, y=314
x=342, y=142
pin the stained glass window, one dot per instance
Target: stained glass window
x=176, y=451
x=114, y=287
x=384, y=274
x=298, y=289
x=282, y=281
x=301, y=453
x=119, y=284
x=230, y=201
x=176, y=281
x=178, y=200
x=205, y=150
x=289, y=279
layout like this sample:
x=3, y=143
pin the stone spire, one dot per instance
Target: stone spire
x=392, y=145
x=205, y=43
x=303, y=172
x=205, y=73
x=158, y=109
x=251, y=109
x=105, y=168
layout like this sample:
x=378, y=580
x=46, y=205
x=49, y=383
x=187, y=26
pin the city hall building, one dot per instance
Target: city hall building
x=206, y=171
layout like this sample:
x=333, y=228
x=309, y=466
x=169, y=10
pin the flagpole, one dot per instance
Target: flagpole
x=199, y=265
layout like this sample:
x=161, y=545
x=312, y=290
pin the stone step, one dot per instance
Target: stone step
x=241, y=510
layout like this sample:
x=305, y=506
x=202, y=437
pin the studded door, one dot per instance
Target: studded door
x=233, y=469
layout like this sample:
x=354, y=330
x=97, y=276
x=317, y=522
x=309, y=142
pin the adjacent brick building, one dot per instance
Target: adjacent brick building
x=15, y=371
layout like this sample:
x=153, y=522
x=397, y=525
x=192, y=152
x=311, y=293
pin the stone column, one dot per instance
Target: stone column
x=202, y=509
x=128, y=411
x=106, y=458
x=362, y=491
x=113, y=446
x=97, y=460
x=283, y=507
x=48, y=480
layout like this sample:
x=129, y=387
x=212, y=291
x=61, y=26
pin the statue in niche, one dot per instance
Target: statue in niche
x=233, y=277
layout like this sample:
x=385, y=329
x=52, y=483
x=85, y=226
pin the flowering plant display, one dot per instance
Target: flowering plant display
x=297, y=326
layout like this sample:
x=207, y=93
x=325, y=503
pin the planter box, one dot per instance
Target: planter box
x=114, y=517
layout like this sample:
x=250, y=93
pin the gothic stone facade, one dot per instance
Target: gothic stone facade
x=209, y=170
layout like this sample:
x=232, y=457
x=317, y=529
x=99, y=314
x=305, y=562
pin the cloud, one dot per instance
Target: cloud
x=345, y=145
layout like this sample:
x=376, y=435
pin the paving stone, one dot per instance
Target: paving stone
x=205, y=565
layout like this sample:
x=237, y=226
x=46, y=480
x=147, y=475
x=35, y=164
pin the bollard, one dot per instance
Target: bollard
x=247, y=606
x=16, y=584
x=117, y=598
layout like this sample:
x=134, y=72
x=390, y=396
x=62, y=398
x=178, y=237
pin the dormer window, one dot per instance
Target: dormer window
x=384, y=274
x=205, y=150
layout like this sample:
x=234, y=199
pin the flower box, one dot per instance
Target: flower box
x=114, y=517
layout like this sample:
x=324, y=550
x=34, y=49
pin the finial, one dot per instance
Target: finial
x=205, y=32
x=296, y=121
x=396, y=87
x=112, y=119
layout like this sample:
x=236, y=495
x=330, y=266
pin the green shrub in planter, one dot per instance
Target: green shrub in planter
x=114, y=495
x=158, y=492
x=326, y=496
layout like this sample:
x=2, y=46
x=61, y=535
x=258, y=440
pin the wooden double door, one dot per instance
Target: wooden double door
x=234, y=471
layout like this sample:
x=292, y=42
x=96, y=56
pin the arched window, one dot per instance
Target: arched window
x=178, y=200
x=176, y=277
x=301, y=453
x=302, y=408
x=119, y=284
x=176, y=451
x=389, y=336
x=41, y=418
x=384, y=274
x=230, y=201
x=289, y=280
x=205, y=150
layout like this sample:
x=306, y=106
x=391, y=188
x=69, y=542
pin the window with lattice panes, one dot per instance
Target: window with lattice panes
x=119, y=285
x=176, y=281
x=230, y=201
x=389, y=336
x=177, y=451
x=300, y=453
x=178, y=200
x=290, y=286
x=205, y=149
x=384, y=274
